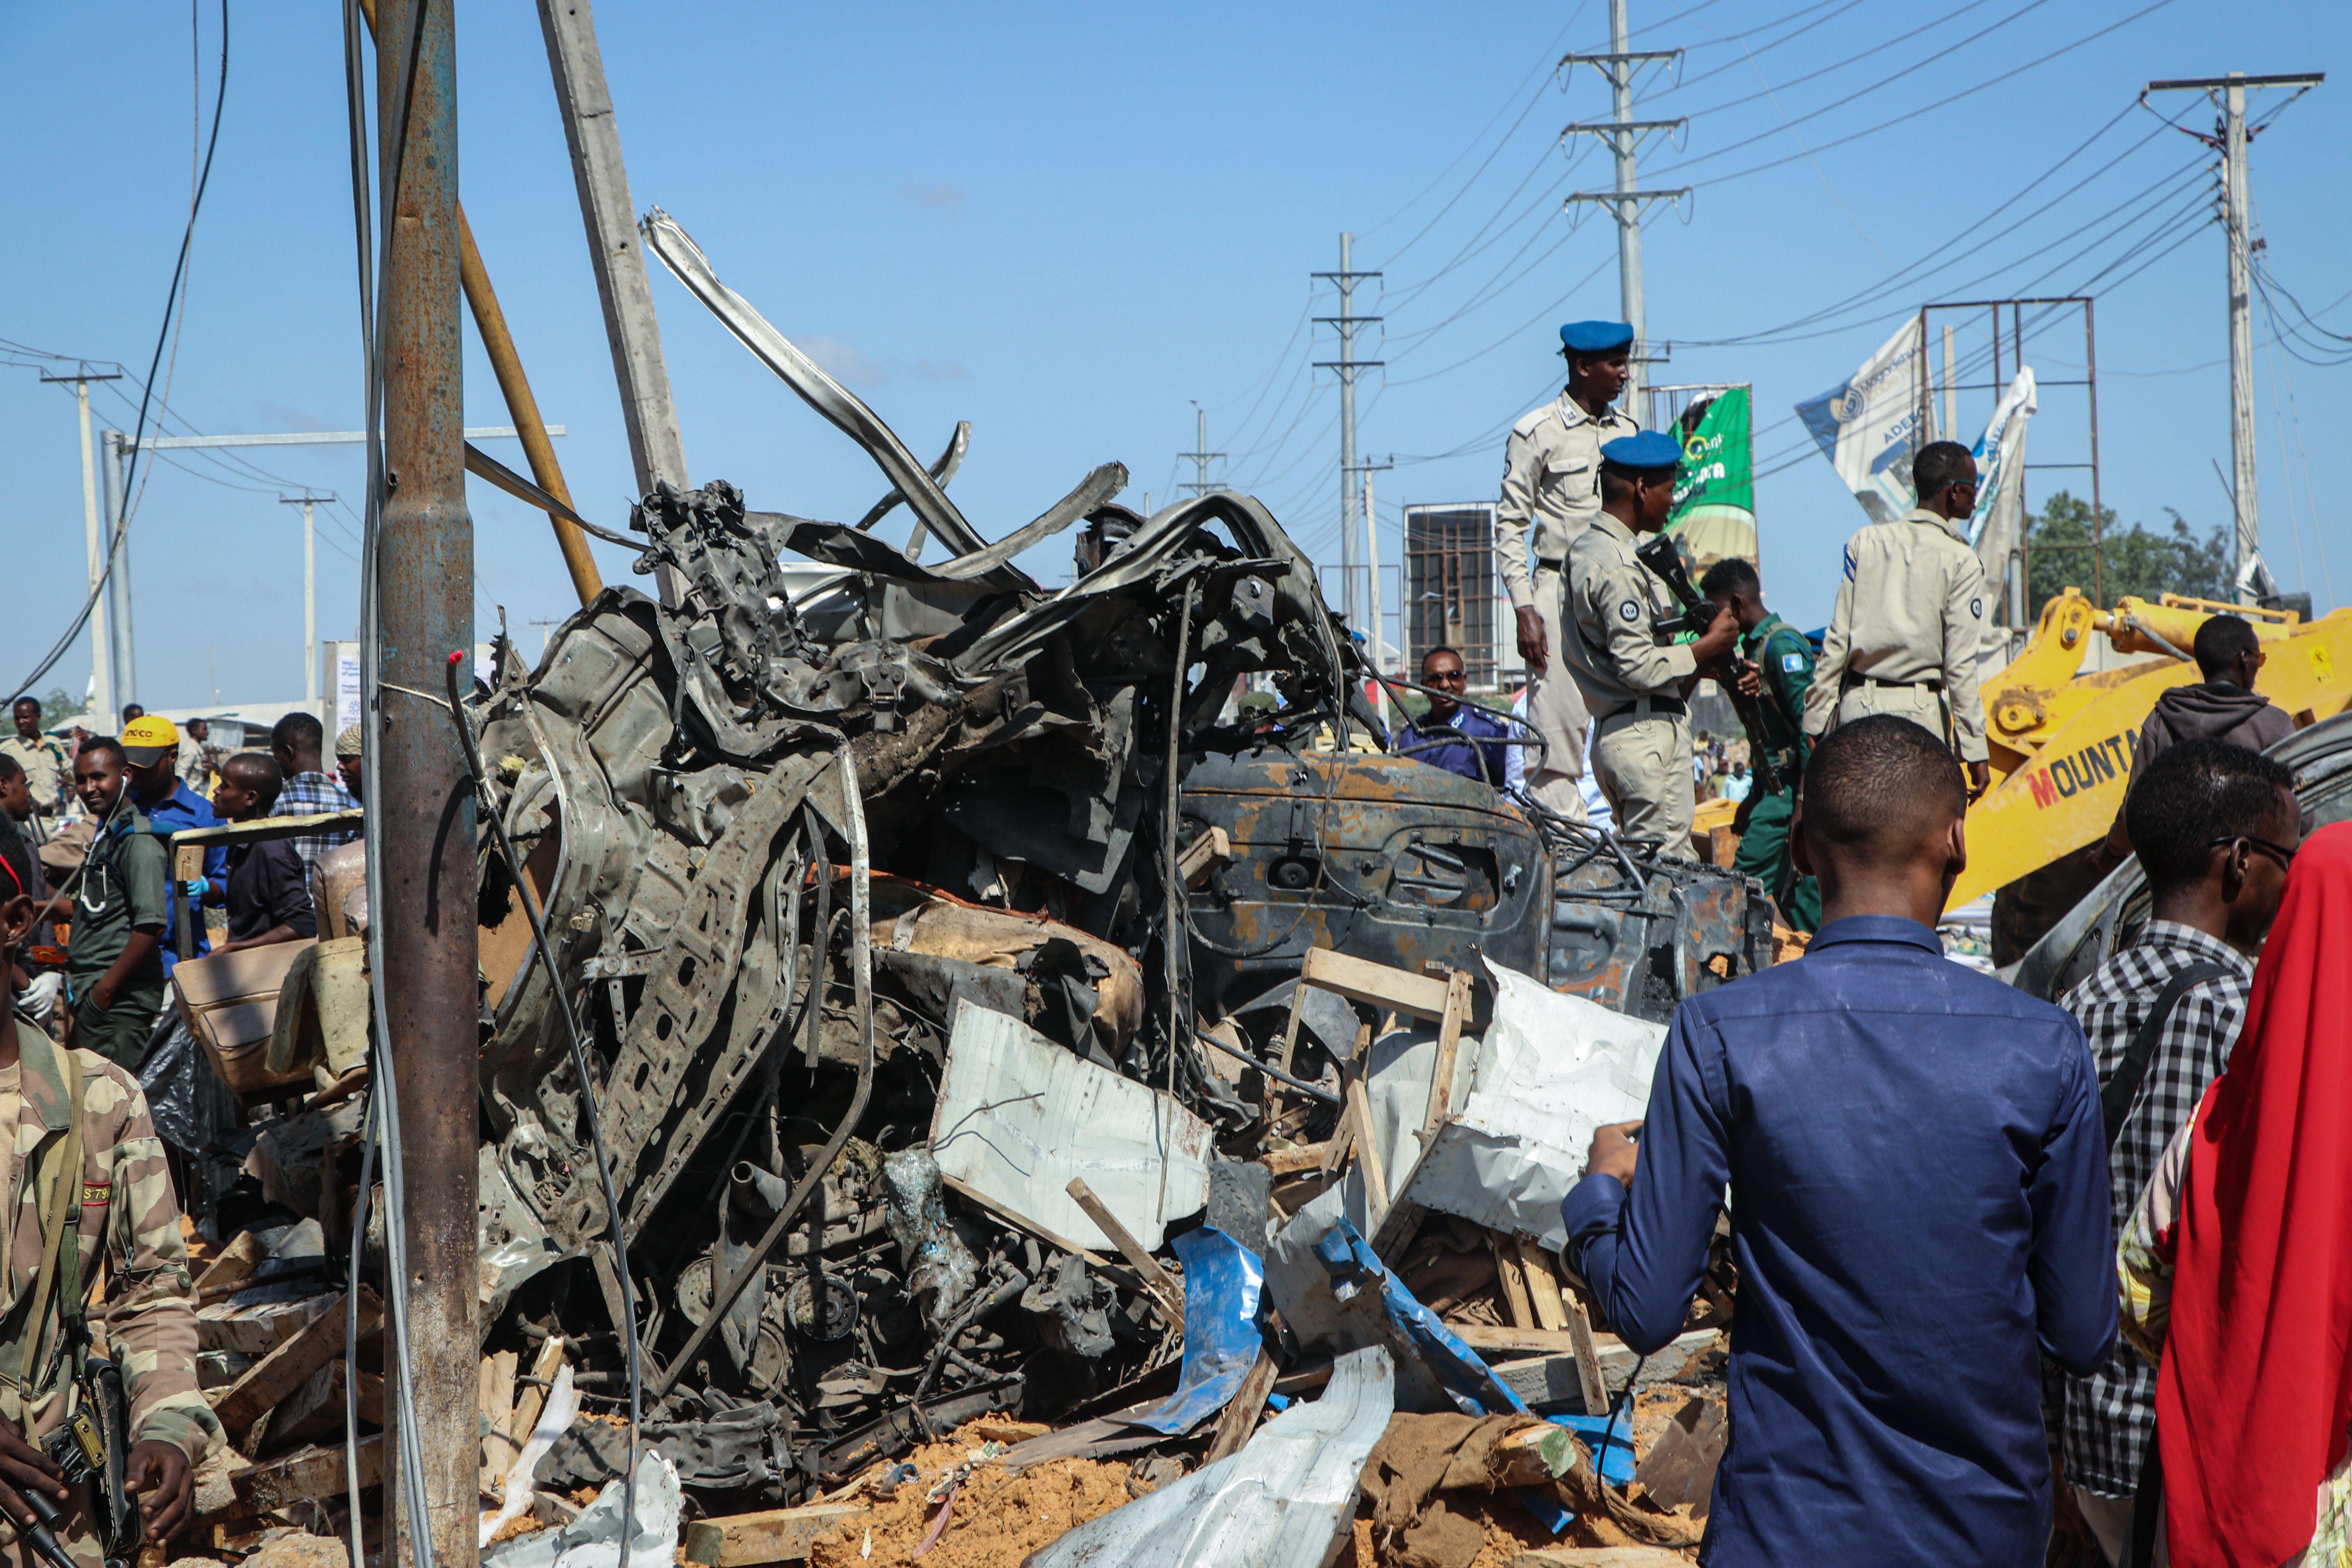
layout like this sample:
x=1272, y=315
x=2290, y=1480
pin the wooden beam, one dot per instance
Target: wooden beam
x=1241, y=1413
x=274, y=1378
x=236, y=1261
x=1516, y=1302
x=775, y=1535
x=1289, y=1162
x=1543, y=1287
x=495, y=1402
x=310, y=1474
x=1374, y=984
x=1587, y=1358
x=1202, y=855
x=1169, y=1295
x=262, y=829
x=1449, y=1050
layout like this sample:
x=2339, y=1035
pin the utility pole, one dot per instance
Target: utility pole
x=1622, y=132
x=118, y=580
x=424, y=594
x=310, y=597
x=1372, y=562
x=1348, y=365
x=2230, y=93
x=615, y=250
x=1200, y=455
x=101, y=677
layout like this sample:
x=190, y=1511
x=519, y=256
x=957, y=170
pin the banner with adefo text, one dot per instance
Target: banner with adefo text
x=1868, y=424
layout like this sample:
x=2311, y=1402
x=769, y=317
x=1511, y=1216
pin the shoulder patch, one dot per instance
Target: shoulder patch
x=1976, y=608
x=1628, y=611
x=1794, y=663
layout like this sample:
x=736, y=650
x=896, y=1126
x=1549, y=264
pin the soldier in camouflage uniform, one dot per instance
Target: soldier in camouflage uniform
x=128, y=1230
x=1783, y=675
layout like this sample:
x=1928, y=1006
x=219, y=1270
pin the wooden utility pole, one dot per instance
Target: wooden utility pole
x=425, y=576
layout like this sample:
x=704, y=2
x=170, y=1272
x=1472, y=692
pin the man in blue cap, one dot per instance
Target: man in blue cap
x=1551, y=477
x=1634, y=682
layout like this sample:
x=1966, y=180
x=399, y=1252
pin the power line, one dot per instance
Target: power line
x=179, y=273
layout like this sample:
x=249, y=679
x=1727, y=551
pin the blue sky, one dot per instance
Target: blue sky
x=1067, y=224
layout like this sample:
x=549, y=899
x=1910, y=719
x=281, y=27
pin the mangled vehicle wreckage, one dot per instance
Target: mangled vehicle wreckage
x=784, y=844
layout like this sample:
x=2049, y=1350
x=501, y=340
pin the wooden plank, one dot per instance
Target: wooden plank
x=1290, y=1030
x=216, y=1484
x=1241, y=1413
x=774, y=1535
x=317, y=1410
x=493, y=1399
x=1368, y=1153
x=275, y=1376
x=1202, y=855
x=1601, y=1557
x=1549, y=1377
x=530, y=1399
x=1516, y=1303
x=1291, y=1161
x=263, y=828
x=1449, y=1051
x=1374, y=984
x=236, y=1261
x=1587, y=1357
x=1543, y=1287
x=255, y=1331
x=1169, y=1295
x=313, y=1474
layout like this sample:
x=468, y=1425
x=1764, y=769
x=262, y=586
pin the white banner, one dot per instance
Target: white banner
x=1868, y=426
x=2000, y=453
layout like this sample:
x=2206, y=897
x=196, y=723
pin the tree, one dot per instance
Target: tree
x=2134, y=561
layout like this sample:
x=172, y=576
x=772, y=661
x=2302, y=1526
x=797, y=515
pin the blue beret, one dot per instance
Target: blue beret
x=1595, y=337
x=1648, y=449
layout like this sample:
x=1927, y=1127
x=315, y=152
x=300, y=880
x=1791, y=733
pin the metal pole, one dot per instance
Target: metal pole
x=1372, y=562
x=425, y=573
x=614, y=248
x=2242, y=336
x=1628, y=210
x=1347, y=475
x=117, y=583
x=1201, y=452
x=101, y=666
x=310, y=598
x=2098, y=517
x=1951, y=390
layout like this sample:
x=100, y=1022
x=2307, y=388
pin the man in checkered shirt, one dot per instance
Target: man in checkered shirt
x=297, y=742
x=2214, y=826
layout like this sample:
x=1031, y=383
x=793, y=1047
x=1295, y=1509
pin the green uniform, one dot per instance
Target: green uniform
x=124, y=886
x=126, y=1223
x=1785, y=660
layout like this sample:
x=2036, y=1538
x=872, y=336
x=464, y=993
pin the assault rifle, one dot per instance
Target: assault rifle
x=1658, y=553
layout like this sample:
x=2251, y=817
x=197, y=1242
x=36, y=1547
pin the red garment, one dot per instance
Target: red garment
x=2254, y=1398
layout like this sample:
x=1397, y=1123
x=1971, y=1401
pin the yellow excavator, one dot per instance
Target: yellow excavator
x=2062, y=740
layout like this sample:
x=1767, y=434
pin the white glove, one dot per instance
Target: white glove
x=40, y=999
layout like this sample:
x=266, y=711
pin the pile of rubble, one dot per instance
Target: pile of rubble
x=1001, y=1006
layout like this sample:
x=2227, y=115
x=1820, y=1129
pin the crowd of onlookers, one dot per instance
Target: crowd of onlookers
x=87, y=824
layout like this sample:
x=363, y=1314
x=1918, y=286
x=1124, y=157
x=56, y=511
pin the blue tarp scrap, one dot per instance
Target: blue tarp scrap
x=1223, y=1283
x=1465, y=1377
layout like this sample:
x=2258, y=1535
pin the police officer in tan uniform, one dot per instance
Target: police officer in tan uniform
x=1636, y=683
x=1552, y=477
x=1910, y=619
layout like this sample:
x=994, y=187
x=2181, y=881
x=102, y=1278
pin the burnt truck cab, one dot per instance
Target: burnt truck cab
x=1389, y=859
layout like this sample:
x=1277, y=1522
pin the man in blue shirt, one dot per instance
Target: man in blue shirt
x=1437, y=736
x=1919, y=1202
x=152, y=748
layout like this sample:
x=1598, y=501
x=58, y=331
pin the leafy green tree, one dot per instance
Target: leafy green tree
x=2136, y=560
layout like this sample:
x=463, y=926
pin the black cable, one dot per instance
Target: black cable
x=121, y=522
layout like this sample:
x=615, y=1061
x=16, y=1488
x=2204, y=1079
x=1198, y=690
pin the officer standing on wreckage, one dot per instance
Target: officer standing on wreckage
x=91, y=1200
x=1634, y=682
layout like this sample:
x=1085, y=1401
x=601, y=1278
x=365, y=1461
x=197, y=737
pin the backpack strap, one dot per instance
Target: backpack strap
x=2116, y=1100
x=20, y=1361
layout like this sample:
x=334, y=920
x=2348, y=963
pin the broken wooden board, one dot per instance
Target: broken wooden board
x=236, y=1261
x=1374, y=984
x=306, y=1474
x=774, y=1535
x=277, y=1376
x=257, y=1330
x=318, y=1407
x=1601, y=1557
